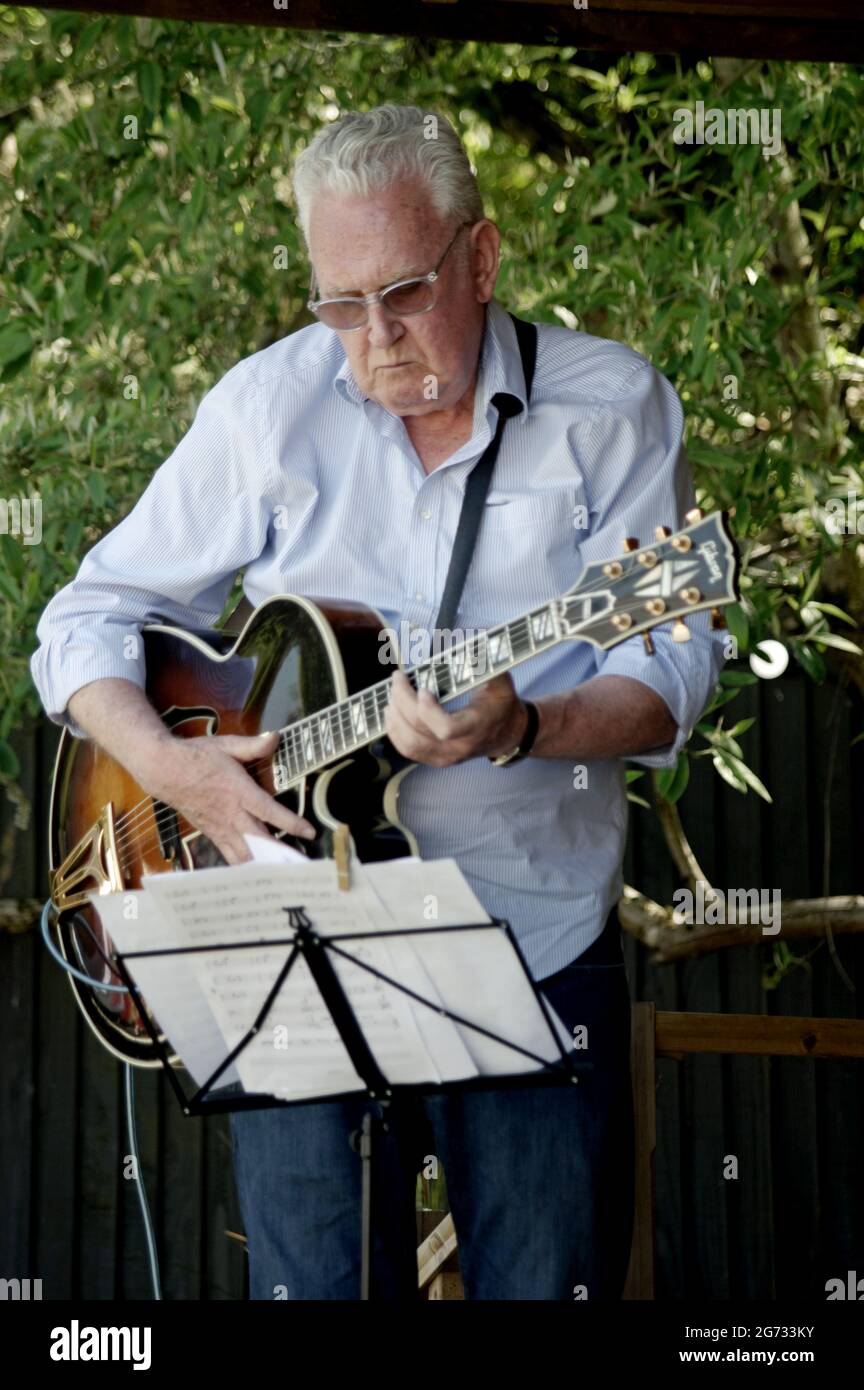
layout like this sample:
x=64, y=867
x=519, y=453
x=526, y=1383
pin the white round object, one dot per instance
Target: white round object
x=769, y=660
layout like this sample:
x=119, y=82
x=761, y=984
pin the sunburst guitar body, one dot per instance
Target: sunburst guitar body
x=293, y=658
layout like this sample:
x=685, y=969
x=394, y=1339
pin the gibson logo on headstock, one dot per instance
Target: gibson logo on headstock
x=708, y=551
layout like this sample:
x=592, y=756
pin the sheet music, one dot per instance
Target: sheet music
x=424, y=893
x=477, y=974
x=441, y=1036
x=298, y=1052
x=169, y=986
x=494, y=995
x=442, y=1039
x=212, y=997
x=266, y=850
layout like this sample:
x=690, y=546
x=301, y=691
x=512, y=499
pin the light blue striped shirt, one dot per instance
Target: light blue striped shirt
x=289, y=473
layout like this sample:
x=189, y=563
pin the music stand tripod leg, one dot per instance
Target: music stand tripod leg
x=363, y=1142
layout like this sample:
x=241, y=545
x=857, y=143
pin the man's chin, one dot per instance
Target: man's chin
x=407, y=401
x=404, y=390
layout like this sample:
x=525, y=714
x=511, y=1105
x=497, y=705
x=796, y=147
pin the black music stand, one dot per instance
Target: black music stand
x=317, y=950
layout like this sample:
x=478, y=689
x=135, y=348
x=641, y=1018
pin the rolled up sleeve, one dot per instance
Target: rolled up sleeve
x=172, y=559
x=634, y=457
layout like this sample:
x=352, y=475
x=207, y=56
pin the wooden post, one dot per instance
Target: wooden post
x=640, y=1275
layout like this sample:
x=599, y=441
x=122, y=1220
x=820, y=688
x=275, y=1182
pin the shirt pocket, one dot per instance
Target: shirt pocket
x=527, y=549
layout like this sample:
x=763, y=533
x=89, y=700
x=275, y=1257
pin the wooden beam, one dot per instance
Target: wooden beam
x=789, y=29
x=758, y=1035
x=435, y=1251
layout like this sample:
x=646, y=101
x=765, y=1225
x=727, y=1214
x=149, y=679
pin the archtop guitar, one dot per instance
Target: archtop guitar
x=312, y=668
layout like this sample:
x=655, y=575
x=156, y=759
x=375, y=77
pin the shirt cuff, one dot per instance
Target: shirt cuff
x=64, y=665
x=683, y=677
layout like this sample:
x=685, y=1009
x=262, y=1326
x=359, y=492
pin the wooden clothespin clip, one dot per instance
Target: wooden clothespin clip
x=342, y=851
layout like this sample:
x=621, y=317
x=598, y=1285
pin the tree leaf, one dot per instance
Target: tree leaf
x=742, y=726
x=831, y=639
x=88, y=36
x=194, y=208
x=9, y=764
x=738, y=624
x=256, y=109
x=191, y=107
x=638, y=800
x=738, y=678
x=749, y=776
x=15, y=341
x=671, y=782
x=149, y=83
x=727, y=773
x=811, y=661
x=834, y=611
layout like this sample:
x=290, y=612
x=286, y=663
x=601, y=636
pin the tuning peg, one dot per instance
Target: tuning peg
x=629, y=543
x=695, y=514
x=662, y=533
x=649, y=645
x=718, y=619
x=680, y=631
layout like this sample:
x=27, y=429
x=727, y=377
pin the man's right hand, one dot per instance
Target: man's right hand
x=202, y=778
x=205, y=780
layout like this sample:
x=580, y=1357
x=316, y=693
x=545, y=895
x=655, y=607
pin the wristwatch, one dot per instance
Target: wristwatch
x=523, y=748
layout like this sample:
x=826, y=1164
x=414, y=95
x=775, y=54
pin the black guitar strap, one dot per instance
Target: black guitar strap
x=479, y=479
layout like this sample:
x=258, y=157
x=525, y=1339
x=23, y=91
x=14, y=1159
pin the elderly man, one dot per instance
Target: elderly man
x=362, y=430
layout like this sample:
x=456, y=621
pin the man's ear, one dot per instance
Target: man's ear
x=485, y=253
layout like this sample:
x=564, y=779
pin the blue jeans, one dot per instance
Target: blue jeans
x=540, y=1180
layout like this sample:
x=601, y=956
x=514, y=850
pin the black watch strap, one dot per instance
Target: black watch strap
x=526, y=743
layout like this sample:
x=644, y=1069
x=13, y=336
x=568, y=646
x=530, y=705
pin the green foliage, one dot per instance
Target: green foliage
x=138, y=266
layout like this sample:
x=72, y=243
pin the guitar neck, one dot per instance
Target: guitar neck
x=615, y=599
x=313, y=743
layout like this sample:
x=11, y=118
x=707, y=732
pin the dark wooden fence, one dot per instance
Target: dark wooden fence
x=792, y=1219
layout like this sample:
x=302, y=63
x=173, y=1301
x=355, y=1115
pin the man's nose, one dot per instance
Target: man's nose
x=382, y=328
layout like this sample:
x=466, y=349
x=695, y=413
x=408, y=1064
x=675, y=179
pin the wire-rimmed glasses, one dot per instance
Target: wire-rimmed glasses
x=402, y=299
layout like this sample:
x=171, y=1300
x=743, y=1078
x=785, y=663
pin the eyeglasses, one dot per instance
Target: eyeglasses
x=404, y=298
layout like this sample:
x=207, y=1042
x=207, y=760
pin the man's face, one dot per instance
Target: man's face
x=424, y=362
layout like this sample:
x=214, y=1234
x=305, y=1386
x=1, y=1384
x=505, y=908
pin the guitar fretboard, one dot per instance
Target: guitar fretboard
x=314, y=742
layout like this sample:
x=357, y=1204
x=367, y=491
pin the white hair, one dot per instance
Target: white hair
x=363, y=152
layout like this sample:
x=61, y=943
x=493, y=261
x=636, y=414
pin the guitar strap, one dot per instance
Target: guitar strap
x=479, y=479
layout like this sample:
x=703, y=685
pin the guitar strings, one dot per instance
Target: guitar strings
x=290, y=740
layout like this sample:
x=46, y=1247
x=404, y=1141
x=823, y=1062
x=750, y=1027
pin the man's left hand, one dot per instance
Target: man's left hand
x=493, y=723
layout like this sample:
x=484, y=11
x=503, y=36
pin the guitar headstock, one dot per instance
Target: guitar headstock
x=661, y=582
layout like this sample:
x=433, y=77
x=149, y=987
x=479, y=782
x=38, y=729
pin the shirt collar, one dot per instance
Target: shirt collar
x=500, y=366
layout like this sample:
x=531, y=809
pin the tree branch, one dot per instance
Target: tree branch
x=678, y=845
x=19, y=914
x=654, y=926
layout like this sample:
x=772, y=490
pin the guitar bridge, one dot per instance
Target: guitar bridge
x=92, y=866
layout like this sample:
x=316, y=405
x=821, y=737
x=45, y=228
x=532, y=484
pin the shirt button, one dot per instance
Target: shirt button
x=427, y=515
x=419, y=597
